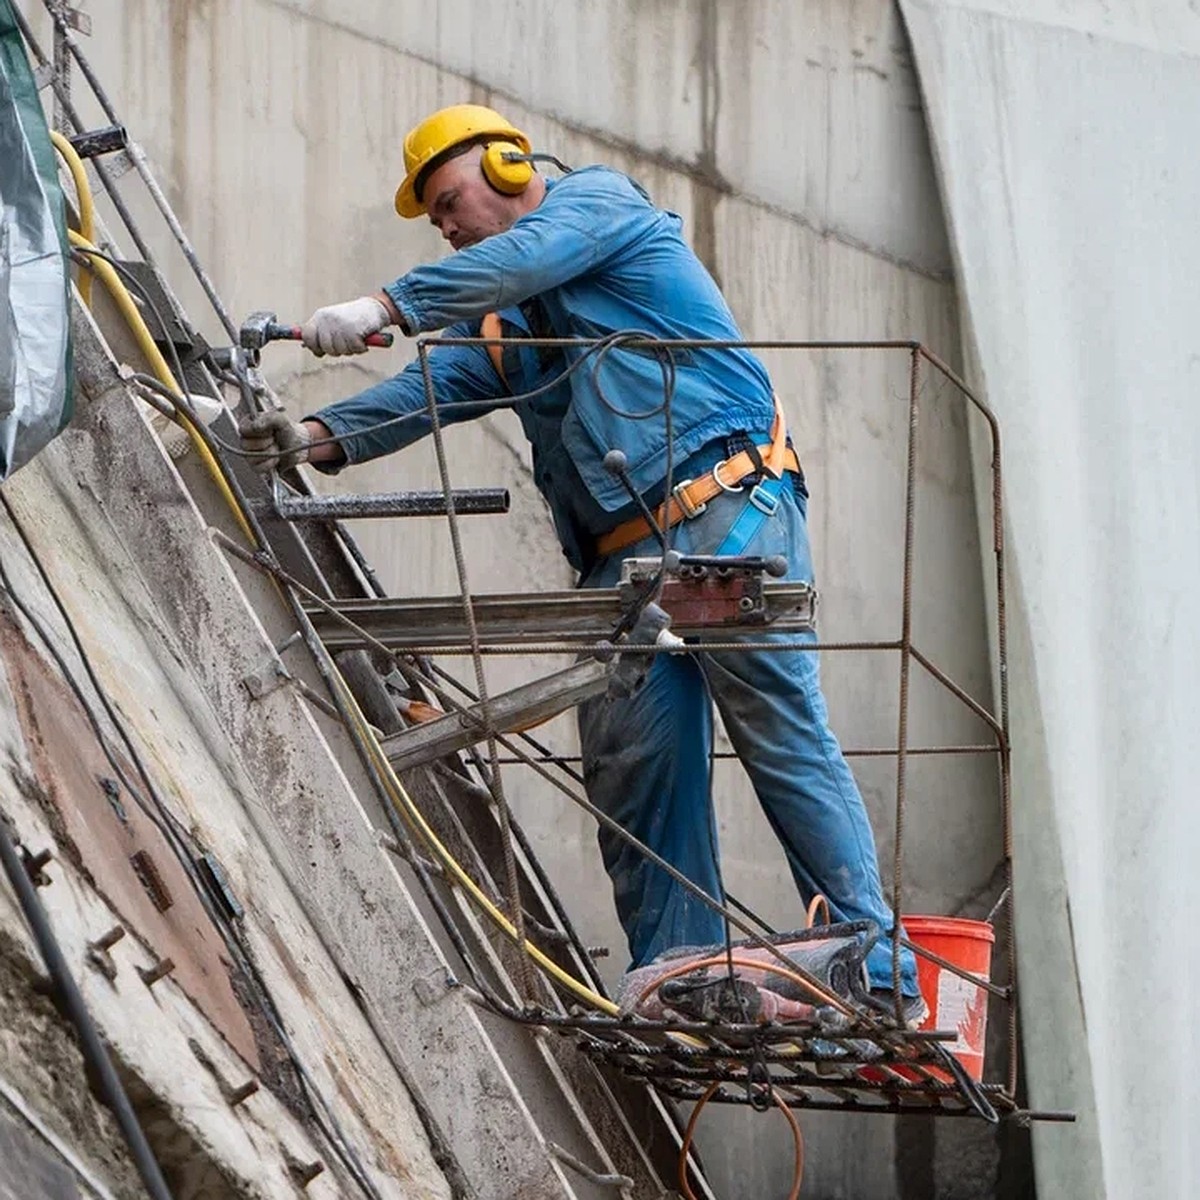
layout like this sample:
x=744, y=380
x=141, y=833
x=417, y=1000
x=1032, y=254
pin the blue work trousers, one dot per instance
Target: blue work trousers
x=646, y=761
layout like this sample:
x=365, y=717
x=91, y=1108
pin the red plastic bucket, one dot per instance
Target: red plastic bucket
x=954, y=1002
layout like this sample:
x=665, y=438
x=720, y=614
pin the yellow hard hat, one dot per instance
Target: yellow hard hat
x=445, y=129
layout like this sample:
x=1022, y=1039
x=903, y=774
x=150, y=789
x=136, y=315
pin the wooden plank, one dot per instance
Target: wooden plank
x=511, y=711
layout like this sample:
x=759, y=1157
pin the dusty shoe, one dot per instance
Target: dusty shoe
x=696, y=985
x=913, y=1009
x=730, y=1001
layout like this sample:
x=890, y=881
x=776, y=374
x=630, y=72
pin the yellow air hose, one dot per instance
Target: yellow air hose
x=137, y=326
x=84, y=202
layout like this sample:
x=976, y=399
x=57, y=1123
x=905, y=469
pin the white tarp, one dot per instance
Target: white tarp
x=1066, y=144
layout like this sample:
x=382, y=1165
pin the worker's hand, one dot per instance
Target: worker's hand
x=343, y=328
x=279, y=442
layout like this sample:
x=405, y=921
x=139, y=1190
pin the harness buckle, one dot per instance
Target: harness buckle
x=690, y=510
x=767, y=502
x=732, y=488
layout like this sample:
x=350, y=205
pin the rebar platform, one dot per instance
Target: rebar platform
x=858, y=1069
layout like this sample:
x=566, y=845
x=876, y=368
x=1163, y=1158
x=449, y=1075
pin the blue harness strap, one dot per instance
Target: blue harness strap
x=761, y=503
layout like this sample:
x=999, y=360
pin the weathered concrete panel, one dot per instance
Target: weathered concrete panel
x=138, y=657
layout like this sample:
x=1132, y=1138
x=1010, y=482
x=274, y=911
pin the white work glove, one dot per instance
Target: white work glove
x=280, y=442
x=342, y=328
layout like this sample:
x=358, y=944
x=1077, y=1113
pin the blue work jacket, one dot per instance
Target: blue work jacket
x=595, y=257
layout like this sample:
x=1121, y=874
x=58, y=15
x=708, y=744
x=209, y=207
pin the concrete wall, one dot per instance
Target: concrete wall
x=790, y=137
x=1096, y=405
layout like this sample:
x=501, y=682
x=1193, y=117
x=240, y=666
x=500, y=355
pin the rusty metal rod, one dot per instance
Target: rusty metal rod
x=971, y=703
x=471, y=501
x=650, y=343
x=851, y=752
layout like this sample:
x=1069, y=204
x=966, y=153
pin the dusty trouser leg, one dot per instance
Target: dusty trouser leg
x=775, y=715
x=645, y=763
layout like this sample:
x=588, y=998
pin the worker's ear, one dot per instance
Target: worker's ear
x=507, y=167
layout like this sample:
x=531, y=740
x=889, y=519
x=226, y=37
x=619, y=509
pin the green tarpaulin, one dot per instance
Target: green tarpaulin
x=35, y=332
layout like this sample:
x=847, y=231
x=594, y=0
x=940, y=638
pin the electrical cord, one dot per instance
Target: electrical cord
x=665, y=355
x=82, y=254
x=772, y=1097
x=601, y=345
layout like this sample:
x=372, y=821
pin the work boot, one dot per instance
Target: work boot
x=913, y=1009
x=729, y=1001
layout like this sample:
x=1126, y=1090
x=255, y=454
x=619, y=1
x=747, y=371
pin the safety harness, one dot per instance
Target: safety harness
x=690, y=497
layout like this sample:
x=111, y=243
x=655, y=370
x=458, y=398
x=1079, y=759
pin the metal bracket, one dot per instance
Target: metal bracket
x=93, y=142
x=429, y=989
x=146, y=869
x=272, y=675
x=76, y=18
x=706, y=592
x=214, y=876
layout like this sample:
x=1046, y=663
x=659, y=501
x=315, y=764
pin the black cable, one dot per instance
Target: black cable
x=665, y=357
x=454, y=406
x=132, y=281
x=94, y=1052
x=723, y=895
x=599, y=348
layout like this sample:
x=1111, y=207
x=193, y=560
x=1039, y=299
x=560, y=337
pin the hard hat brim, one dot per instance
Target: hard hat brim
x=407, y=204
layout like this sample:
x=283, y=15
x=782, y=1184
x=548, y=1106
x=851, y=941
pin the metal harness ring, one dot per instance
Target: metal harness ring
x=732, y=488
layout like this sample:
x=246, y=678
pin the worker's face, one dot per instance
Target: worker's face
x=463, y=206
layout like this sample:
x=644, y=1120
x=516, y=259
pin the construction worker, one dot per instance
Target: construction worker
x=584, y=256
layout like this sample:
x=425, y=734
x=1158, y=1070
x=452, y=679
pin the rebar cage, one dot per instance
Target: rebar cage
x=867, y=1065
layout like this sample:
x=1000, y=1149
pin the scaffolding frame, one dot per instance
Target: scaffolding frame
x=914, y=1071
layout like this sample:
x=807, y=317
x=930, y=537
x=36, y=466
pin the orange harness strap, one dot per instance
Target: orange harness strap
x=689, y=497
x=490, y=327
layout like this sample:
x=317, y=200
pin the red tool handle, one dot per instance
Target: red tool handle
x=291, y=333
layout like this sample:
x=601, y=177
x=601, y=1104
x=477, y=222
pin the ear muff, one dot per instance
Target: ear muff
x=508, y=175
